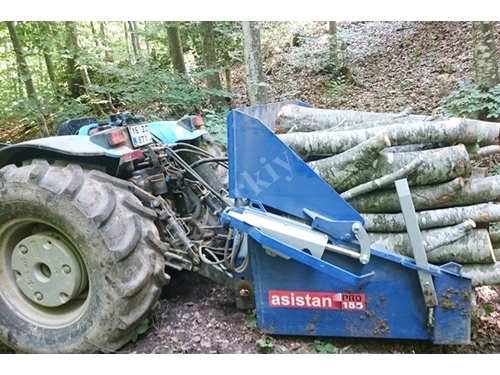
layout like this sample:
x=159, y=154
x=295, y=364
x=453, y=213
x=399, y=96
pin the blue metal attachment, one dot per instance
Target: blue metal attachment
x=301, y=239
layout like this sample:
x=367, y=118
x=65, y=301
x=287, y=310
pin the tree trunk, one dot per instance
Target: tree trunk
x=436, y=166
x=134, y=36
x=227, y=70
x=448, y=131
x=210, y=58
x=26, y=76
x=102, y=33
x=480, y=213
x=175, y=48
x=73, y=44
x=127, y=42
x=485, y=59
x=332, y=44
x=73, y=82
x=256, y=82
x=485, y=151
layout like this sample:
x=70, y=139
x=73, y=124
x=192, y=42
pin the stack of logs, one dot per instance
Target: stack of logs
x=361, y=154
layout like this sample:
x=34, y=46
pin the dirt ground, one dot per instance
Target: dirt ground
x=396, y=65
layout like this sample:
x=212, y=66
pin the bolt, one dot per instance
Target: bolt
x=38, y=296
x=244, y=292
x=427, y=284
x=66, y=269
x=155, y=204
x=23, y=249
x=347, y=236
x=356, y=228
x=363, y=259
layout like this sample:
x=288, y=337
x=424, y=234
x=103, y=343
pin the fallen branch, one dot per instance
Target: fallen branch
x=485, y=151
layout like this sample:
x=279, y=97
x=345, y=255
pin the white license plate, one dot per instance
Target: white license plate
x=140, y=135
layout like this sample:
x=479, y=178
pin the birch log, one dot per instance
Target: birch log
x=294, y=118
x=448, y=131
x=486, y=151
x=423, y=197
x=438, y=165
x=473, y=247
x=482, y=274
x=480, y=213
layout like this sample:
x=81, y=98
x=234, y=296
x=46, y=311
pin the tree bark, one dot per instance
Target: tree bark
x=383, y=181
x=26, y=77
x=464, y=246
x=485, y=60
x=438, y=165
x=73, y=44
x=423, y=197
x=341, y=169
x=453, y=193
x=175, y=48
x=332, y=45
x=448, y=131
x=102, y=33
x=134, y=36
x=127, y=42
x=482, y=274
x=480, y=213
x=210, y=59
x=294, y=118
x=256, y=83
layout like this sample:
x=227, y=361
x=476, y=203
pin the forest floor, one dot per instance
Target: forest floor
x=396, y=65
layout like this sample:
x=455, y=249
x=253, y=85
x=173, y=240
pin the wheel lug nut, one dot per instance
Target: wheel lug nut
x=66, y=269
x=38, y=296
x=23, y=249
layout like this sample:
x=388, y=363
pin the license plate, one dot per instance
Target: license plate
x=140, y=135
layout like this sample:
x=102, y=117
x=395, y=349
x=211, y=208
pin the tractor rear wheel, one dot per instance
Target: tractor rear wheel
x=80, y=266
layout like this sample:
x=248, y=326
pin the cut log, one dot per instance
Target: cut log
x=473, y=247
x=478, y=172
x=480, y=213
x=423, y=197
x=341, y=169
x=482, y=274
x=448, y=131
x=439, y=165
x=294, y=118
x=382, y=181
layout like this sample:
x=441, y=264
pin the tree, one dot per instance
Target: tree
x=136, y=45
x=72, y=39
x=210, y=59
x=175, y=48
x=257, y=88
x=332, y=43
x=26, y=77
x=485, y=59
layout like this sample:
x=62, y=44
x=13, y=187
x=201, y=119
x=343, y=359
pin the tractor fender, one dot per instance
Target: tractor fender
x=169, y=132
x=75, y=148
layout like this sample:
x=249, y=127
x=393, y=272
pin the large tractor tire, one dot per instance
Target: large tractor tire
x=80, y=264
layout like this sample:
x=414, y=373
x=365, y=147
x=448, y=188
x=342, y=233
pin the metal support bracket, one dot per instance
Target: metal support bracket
x=408, y=209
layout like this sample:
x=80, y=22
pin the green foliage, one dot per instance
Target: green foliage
x=251, y=320
x=266, y=345
x=469, y=99
x=320, y=347
x=217, y=126
x=140, y=330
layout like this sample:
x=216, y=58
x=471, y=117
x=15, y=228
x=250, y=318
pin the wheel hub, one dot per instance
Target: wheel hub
x=47, y=269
